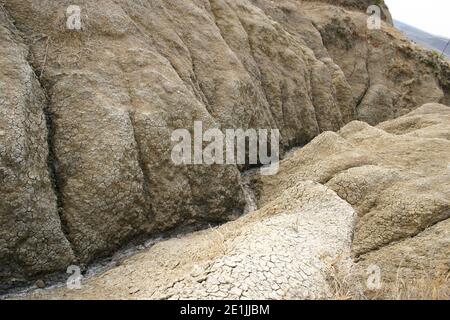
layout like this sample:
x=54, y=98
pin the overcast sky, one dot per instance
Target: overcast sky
x=432, y=16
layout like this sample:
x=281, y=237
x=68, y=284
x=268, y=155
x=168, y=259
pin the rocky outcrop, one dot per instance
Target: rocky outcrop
x=31, y=237
x=95, y=109
x=389, y=75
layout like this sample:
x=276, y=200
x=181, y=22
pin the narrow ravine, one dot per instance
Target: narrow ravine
x=97, y=268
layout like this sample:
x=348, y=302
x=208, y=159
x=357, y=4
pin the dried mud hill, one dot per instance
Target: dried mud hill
x=397, y=178
x=360, y=197
x=86, y=116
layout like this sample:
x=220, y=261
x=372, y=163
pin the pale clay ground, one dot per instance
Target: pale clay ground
x=260, y=256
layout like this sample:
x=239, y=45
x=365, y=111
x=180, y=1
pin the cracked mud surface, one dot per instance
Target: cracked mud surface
x=278, y=252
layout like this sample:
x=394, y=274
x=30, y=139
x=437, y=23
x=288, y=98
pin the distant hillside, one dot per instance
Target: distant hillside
x=426, y=39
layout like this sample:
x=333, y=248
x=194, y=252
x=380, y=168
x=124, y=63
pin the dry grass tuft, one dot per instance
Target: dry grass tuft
x=345, y=286
x=426, y=288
